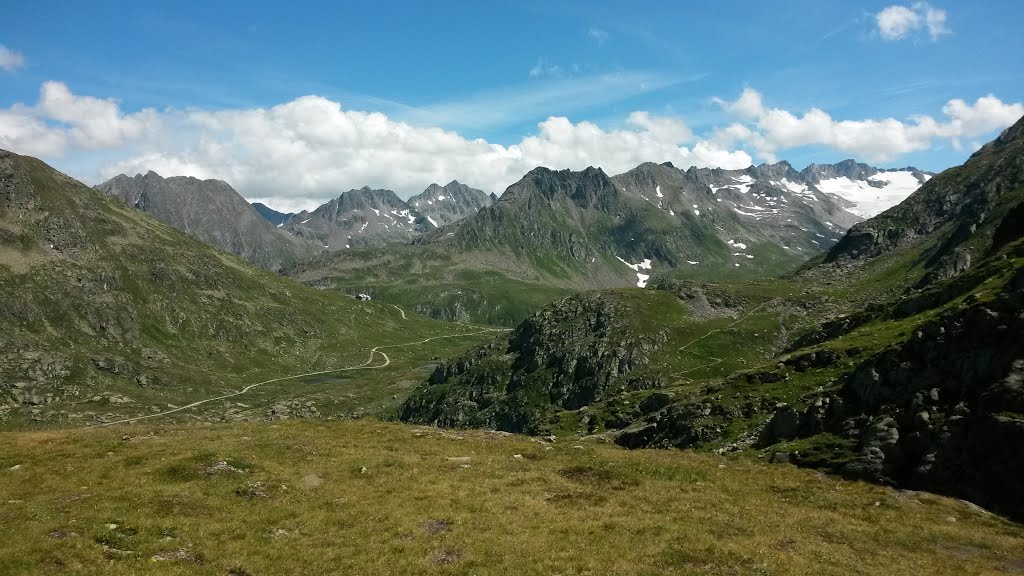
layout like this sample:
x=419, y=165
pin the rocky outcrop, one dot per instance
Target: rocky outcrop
x=571, y=354
x=943, y=411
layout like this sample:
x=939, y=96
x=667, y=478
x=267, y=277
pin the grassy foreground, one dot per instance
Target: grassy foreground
x=363, y=497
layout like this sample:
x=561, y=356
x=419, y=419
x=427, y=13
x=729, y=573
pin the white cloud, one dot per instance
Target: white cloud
x=897, y=22
x=598, y=34
x=308, y=150
x=770, y=130
x=10, y=60
x=747, y=106
x=94, y=123
x=61, y=118
x=300, y=153
x=21, y=132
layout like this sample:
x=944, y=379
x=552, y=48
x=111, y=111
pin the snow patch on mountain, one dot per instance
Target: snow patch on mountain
x=868, y=200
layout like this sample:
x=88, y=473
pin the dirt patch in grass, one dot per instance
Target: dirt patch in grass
x=446, y=557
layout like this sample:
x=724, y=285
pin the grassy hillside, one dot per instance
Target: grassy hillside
x=371, y=498
x=108, y=312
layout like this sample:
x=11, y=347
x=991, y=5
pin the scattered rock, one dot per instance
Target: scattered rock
x=61, y=535
x=178, y=554
x=517, y=455
x=222, y=467
x=252, y=490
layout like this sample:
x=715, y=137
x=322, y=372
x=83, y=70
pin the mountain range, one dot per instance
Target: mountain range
x=368, y=217
x=556, y=232
x=212, y=211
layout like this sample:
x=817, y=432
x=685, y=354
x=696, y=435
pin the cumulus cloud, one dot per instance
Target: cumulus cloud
x=897, y=22
x=10, y=60
x=770, y=130
x=21, y=132
x=94, y=123
x=61, y=118
x=300, y=153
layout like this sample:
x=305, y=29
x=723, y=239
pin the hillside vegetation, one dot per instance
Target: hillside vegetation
x=108, y=312
x=371, y=498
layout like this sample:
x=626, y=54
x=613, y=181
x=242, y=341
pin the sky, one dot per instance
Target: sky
x=294, y=102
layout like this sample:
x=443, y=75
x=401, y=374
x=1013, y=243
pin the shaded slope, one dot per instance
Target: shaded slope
x=271, y=215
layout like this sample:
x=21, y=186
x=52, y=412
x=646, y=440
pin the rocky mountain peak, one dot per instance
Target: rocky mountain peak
x=848, y=168
x=210, y=210
x=585, y=188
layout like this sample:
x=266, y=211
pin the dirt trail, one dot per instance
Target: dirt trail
x=375, y=350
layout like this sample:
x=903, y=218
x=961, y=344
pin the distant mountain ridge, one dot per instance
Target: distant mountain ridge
x=368, y=217
x=449, y=203
x=564, y=231
x=212, y=211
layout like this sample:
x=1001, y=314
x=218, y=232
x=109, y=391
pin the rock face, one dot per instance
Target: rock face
x=571, y=354
x=770, y=202
x=211, y=211
x=358, y=218
x=954, y=218
x=942, y=411
x=945, y=410
x=452, y=202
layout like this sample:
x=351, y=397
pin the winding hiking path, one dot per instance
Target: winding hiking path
x=714, y=360
x=724, y=328
x=366, y=365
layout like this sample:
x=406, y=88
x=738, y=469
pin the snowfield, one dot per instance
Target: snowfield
x=869, y=201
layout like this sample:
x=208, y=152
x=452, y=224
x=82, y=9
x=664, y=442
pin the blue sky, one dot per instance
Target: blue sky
x=169, y=79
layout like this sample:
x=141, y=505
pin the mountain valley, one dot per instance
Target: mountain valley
x=746, y=317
